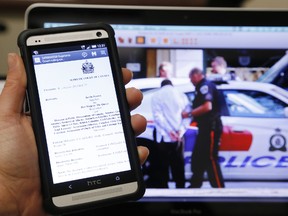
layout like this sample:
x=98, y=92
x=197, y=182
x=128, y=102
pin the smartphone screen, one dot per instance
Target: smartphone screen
x=80, y=112
x=84, y=129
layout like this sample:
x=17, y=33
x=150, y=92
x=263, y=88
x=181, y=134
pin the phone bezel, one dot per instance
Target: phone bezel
x=129, y=191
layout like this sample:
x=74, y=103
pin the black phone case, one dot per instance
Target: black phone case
x=40, y=135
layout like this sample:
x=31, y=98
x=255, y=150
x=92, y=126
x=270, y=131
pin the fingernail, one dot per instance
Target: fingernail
x=12, y=60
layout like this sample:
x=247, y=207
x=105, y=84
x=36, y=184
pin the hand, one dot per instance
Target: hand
x=173, y=136
x=185, y=114
x=20, y=189
x=134, y=97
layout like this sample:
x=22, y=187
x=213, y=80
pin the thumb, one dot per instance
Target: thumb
x=13, y=93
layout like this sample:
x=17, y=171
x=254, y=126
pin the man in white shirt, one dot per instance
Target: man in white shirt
x=167, y=106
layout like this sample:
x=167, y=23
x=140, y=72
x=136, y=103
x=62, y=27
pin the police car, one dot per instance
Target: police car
x=255, y=133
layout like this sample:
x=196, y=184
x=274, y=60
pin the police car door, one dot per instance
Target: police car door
x=254, y=141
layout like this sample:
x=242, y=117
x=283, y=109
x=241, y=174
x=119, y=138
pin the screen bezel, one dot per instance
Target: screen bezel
x=150, y=15
x=157, y=15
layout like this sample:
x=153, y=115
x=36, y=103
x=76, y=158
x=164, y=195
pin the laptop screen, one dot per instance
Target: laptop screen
x=252, y=45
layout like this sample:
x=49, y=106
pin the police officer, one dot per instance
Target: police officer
x=206, y=114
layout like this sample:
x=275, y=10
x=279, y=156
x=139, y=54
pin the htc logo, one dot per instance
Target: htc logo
x=94, y=182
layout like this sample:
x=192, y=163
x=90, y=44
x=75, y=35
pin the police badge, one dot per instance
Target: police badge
x=87, y=67
x=278, y=141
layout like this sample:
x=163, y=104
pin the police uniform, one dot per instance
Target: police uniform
x=205, y=152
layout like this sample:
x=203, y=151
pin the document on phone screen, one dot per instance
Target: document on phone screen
x=81, y=115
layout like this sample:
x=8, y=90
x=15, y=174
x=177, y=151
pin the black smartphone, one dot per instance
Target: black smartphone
x=87, y=148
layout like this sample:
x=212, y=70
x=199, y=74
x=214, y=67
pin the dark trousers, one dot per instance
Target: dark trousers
x=170, y=158
x=205, y=155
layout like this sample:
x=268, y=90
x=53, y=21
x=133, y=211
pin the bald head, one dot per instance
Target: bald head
x=196, y=75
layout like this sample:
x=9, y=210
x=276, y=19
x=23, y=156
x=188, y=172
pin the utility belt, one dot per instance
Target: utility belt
x=214, y=124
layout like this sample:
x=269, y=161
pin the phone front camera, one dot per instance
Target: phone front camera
x=98, y=34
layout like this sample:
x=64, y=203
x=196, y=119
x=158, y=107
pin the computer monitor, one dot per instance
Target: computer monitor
x=253, y=149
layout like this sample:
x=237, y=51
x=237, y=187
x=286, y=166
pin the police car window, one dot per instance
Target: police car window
x=282, y=79
x=243, y=103
x=190, y=96
x=147, y=89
